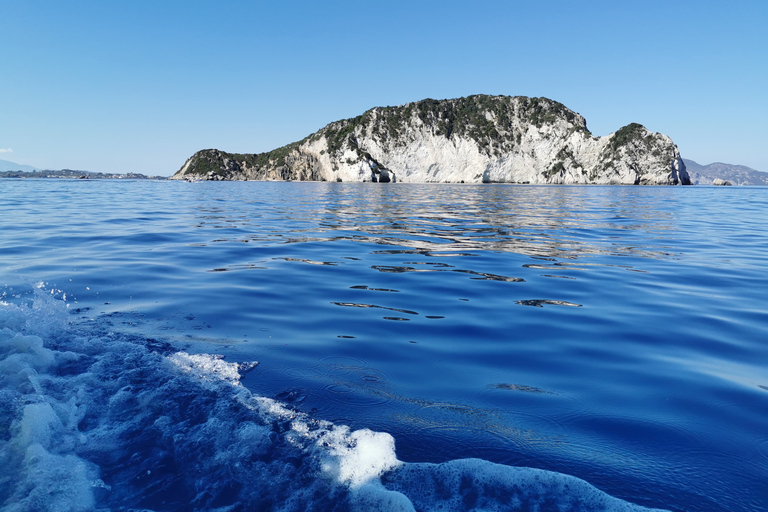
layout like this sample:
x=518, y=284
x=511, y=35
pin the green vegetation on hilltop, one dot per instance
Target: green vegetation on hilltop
x=276, y=157
x=487, y=120
x=625, y=135
x=635, y=134
x=205, y=161
x=212, y=160
x=336, y=134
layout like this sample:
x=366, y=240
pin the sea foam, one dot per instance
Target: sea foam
x=95, y=421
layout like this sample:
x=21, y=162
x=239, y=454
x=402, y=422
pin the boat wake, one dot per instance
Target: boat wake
x=96, y=420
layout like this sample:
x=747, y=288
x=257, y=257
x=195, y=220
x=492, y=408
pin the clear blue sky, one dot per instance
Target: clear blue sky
x=141, y=85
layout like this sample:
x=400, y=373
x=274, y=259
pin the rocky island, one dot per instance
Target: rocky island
x=477, y=139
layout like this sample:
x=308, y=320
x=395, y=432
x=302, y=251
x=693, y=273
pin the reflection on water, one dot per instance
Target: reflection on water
x=430, y=220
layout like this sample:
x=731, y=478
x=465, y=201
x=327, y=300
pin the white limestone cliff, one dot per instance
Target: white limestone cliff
x=471, y=140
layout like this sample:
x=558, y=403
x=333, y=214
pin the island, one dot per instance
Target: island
x=475, y=139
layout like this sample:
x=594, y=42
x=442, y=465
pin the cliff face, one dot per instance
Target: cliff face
x=472, y=140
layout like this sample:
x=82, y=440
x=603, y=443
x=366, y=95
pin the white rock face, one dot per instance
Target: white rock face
x=470, y=140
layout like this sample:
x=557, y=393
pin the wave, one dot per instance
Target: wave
x=97, y=420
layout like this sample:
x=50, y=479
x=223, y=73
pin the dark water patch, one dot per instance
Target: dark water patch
x=310, y=262
x=400, y=251
x=520, y=387
x=433, y=264
x=364, y=287
x=447, y=268
x=491, y=277
x=393, y=269
x=368, y=306
x=540, y=303
x=399, y=269
x=239, y=267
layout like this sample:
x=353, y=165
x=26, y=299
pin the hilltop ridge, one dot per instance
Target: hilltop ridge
x=473, y=139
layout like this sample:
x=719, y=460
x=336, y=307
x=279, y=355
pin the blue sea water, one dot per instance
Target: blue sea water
x=419, y=347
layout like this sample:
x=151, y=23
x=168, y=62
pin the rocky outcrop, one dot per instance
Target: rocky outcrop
x=474, y=139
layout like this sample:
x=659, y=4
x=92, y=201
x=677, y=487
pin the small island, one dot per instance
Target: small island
x=476, y=139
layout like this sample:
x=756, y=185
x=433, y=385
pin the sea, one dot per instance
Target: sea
x=312, y=346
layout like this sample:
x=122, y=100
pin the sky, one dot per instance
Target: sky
x=140, y=86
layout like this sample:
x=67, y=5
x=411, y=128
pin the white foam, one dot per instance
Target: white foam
x=39, y=472
x=22, y=358
x=207, y=367
x=360, y=457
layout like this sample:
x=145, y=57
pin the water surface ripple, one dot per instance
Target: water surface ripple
x=617, y=334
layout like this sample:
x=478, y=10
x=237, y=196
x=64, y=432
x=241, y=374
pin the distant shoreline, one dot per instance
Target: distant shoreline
x=72, y=174
x=45, y=175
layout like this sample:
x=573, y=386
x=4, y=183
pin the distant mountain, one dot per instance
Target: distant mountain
x=5, y=165
x=736, y=174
